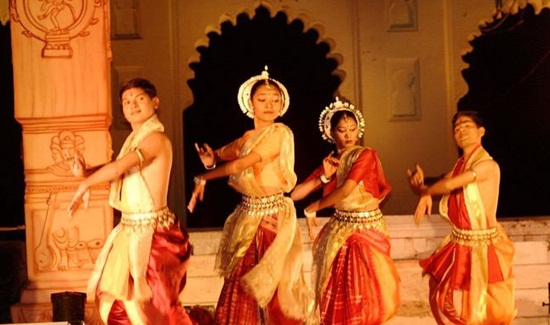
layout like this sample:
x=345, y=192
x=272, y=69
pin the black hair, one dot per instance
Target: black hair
x=339, y=115
x=262, y=82
x=141, y=83
x=474, y=115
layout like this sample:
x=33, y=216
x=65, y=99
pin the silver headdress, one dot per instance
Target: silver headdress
x=244, y=93
x=328, y=112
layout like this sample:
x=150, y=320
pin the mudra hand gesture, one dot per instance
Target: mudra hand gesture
x=311, y=220
x=330, y=165
x=78, y=165
x=82, y=195
x=416, y=177
x=206, y=154
x=423, y=207
x=198, y=193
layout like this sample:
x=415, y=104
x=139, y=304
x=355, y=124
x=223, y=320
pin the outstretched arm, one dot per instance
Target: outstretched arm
x=478, y=173
x=305, y=188
x=230, y=168
x=78, y=166
x=149, y=148
x=330, y=166
x=334, y=197
x=418, y=181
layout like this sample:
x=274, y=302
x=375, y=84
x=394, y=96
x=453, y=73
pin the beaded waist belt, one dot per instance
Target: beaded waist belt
x=358, y=216
x=262, y=205
x=161, y=218
x=470, y=237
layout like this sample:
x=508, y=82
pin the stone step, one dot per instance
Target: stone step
x=409, y=243
x=203, y=285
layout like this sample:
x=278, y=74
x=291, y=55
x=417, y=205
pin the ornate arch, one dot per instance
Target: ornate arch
x=298, y=55
x=507, y=74
x=509, y=7
x=204, y=41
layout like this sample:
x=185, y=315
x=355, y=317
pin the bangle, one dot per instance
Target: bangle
x=140, y=156
x=310, y=214
x=210, y=167
x=323, y=179
x=199, y=180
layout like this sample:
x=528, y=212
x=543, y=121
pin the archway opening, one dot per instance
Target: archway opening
x=11, y=170
x=508, y=78
x=295, y=56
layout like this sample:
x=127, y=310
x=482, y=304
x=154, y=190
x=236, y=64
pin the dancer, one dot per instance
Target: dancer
x=142, y=266
x=260, y=253
x=471, y=279
x=354, y=277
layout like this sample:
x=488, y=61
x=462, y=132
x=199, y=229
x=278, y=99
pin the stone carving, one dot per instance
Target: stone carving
x=55, y=22
x=63, y=148
x=45, y=257
x=63, y=249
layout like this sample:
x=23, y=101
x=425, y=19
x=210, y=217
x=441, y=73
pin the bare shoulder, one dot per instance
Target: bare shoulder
x=487, y=169
x=155, y=144
x=487, y=165
x=156, y=138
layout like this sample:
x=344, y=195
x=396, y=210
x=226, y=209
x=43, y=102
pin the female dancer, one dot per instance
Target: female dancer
x=354, y=277
x=260, y=253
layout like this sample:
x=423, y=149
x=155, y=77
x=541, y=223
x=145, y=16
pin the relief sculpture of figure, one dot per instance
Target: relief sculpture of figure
x=64, y=147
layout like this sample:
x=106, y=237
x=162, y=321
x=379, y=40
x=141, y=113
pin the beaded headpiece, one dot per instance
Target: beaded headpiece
x=328, y=112
x=244, y=93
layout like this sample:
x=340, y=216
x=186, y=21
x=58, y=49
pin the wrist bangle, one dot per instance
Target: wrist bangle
x=210, y=167
x=323, y=179
x=310, y=214
x=199, y=180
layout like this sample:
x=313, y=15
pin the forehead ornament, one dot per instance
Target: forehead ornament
x=243, y=95
x=328, y=112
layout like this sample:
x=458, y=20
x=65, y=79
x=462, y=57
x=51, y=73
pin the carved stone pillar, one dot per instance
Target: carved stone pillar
x=61, y=63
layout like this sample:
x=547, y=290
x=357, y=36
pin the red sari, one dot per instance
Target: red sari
x=474, y=261
x=354, y=276
x=170, y=252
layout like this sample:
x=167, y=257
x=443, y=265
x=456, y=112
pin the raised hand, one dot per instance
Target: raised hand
x=78, y=165
x=206, y=154
x=330, y=165
x=416, y=177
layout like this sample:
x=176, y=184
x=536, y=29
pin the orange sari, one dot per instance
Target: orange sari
x=474, y=261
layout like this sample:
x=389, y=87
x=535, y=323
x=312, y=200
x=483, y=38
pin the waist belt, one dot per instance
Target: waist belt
x=358, y=216
x=161, y=218
x=262, y=205
x=471, y=237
